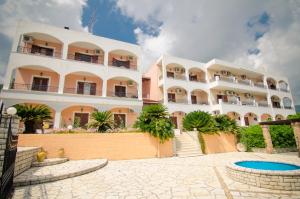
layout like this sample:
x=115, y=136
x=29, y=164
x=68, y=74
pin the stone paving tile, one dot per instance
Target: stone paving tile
x=192, y=177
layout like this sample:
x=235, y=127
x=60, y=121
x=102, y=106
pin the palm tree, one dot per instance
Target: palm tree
x=33, y=116
x=101, y=120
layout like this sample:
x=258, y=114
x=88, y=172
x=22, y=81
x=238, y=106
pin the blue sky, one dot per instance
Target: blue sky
x=110, y=22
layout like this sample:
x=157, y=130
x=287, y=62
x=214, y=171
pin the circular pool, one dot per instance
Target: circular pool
x=264, y=165
x=265, y=174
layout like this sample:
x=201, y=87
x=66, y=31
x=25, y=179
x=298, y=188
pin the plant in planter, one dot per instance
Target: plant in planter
x=200, y=120
x=130, y=83
x=33, y=116
x=101, y=120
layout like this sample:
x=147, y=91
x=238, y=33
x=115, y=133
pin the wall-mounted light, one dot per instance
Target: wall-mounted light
x=81, y=109
x=41, y=73
x=46, y=44
x=84, y=78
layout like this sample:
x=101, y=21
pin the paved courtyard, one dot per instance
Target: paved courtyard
x=193, y=177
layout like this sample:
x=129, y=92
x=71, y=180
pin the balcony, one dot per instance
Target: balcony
x=176, y=76
x=180, y=101
x=122, y=59
x=263, y=104
x=39, y=52
x=122, y=94
x=33, y=87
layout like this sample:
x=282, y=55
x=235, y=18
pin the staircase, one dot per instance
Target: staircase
x=187, y=144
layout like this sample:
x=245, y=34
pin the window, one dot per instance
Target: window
x=120, y=120
x=120, y=91
x=86, y=88
x=86, y=58
x=40, y=84
x=194, y=99
x=170, y=74
x=171, y=97
x=82, y=117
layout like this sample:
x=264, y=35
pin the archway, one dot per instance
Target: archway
x=78, y=116
x=266, y=117
x=122, y=87
x=177, y=118
x=250, y=119
x=287, y=103
x=199, y=96
x=279, y=117
x=271, y=83
x=86, y=52
x=177, y=94
x=234, y=116
x=124, y=117
x=175, y=71
x=122, y=59
x=275, y=101
x=196, y=74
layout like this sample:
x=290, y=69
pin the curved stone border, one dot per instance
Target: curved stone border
x=279, y=180
x=58, y=172
x=49, y=162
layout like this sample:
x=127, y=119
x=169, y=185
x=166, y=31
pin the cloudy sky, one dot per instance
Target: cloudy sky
x=255, y=33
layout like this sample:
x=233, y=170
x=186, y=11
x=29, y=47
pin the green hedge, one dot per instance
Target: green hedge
x=251, y=137
x=282, y=136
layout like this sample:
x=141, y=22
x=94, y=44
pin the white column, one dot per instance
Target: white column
x=189, y=97
x=104, y=87
x=65, y=51
x=57, y=119
x=242, y=120
x=106, y=58
x=61, y=84
x=8, y=77
x=187, y=76
x=140, y=91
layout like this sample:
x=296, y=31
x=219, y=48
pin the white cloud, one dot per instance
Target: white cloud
x=56, y=12
x=202, y=30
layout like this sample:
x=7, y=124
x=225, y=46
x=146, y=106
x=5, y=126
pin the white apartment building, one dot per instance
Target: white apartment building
x=73, y=73
x=246, y=95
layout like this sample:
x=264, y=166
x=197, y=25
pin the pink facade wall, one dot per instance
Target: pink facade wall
x=56, y=46
x=131, y=90
x=67, y=115
x=133, y=60
x=73, y=49
x=130, y=115
x=72, y=79
x=154, y=73
x=25, y=76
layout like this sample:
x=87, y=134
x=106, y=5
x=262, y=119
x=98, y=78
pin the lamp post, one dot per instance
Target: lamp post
x=11, y=111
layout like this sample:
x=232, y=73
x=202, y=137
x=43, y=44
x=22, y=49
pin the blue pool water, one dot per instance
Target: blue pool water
x=263, y=165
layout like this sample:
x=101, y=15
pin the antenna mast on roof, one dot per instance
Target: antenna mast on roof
x=93, y=18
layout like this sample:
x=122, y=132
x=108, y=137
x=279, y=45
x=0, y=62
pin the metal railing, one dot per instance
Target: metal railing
x=178, y=77
x=122, y=94
x=33, y=87
x=262, y=104
x=200, y=102
x=181, y=101
x=92, y=59
x=259, y=84
x=248, y=103
x=29, y=50
x=244, y=81
x=10, y=151
x=95, y=92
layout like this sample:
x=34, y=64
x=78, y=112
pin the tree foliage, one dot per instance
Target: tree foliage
x=200, y=120
x=101, y=120
x=224, y=123
x=155, y=120
x=33, y=116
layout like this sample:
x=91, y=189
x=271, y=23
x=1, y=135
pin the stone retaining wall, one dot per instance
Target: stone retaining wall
x=279, y=180
x=25, y=157
x=275, y=150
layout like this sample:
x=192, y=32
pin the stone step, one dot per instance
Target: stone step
x=183, y=147
x=190, y=154
x=38, y=175
x=49, y=162
x=189, y=151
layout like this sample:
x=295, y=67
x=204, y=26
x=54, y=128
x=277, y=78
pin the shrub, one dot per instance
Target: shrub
x=155, y=120
x=295, y=116
x=200, y=120
x=101, y=120
x=33, y=116
x=224, y=123
x=282, y=136
x=76, y=123
x=251, y=137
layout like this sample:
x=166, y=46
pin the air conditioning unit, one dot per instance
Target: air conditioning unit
x=229, y=92
x=177, y=69
x=98, y=52
x=27, y=39
x=182, y=70
x=248, y=95
x=130, y=57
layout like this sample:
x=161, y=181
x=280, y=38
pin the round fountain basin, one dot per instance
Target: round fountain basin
x=265, y=174
x=264, y=165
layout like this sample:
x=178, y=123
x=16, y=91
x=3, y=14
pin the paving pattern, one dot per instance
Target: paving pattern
x=191, y=177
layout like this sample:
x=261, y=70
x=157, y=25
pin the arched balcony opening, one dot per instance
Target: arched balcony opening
x=283, y=86
x=266, y=117
x=234, y=116
x=83, y=83
x=177, y=95
x=122, y=87
x=175, y=71
x=197, y=75
x=123, y=59
x=78, y=116
x=275, y=101
x=271, y=83
x=123, y=117
x=35, y=78
x=199, y=96
x=177, y=118
x=279, y=117
x=40, y=44
x=85, y=52
x=287, y=103
x=250, y=119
